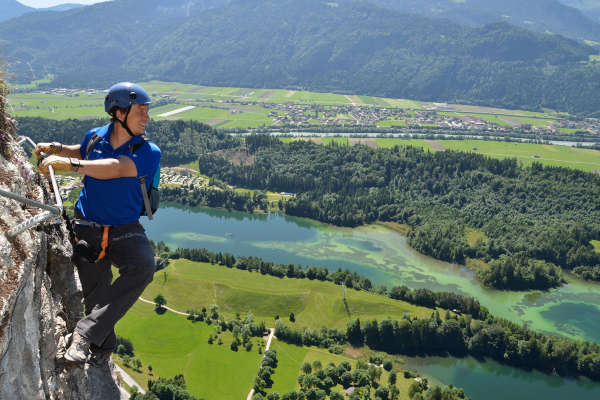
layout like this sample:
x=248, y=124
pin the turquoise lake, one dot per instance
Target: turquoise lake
x=383, y=255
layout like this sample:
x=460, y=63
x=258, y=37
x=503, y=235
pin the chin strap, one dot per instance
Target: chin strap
x=124, y=122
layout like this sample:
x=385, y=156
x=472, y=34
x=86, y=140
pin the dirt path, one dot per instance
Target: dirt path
x=436, y=145
x=290, y=93
x=128, y=379
x=272, y=332
x=165, y=307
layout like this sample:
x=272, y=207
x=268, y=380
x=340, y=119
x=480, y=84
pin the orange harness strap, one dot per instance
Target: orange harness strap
x=103, y=244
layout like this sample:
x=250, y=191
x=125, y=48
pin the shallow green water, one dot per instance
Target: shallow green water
x=379, y=253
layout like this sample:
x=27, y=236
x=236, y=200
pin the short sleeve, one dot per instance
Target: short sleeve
x=146, y=159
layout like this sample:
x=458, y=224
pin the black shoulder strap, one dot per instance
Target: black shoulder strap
x=93, y=140
x=135, y=147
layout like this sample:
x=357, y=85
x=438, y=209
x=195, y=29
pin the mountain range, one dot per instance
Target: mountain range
x=348, y=47
x=545, y=16
x=12, y=8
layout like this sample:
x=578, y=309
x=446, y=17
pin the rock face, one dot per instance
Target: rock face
x=40, y=299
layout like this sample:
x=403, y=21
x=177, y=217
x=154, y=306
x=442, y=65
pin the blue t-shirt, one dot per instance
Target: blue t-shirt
x=116, y=201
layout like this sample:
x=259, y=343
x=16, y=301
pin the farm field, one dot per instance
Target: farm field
x=173, y=345
x=314, y=303
x=79, y=104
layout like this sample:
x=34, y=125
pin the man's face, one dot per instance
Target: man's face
x=138, y=118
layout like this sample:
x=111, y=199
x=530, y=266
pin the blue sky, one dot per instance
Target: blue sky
x=50, y=3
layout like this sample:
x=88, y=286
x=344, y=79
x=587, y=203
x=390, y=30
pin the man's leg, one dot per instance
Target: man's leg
x=130, y=251
x=95, y=279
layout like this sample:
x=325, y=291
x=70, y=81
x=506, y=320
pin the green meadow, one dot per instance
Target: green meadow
x=527, y=153
x=193, y=285
x=238, y=117
x=173, y=345
x=57, y=107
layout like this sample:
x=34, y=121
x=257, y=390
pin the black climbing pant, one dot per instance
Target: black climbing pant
x=106, y=302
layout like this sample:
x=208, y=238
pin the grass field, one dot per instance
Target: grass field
x=57, y=106
x=239, y=117
x=527, y=153
x=314, y=303
x=596, y=244
x=174, y=345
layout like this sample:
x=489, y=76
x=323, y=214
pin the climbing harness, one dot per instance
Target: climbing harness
x=82, y=248
x=50, y=211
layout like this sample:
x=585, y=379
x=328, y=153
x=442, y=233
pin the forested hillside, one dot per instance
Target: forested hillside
x=343, y=47
x=530, y=219
x=180, y=141
x=537, y=15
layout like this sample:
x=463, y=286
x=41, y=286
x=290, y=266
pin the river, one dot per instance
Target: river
x=383, y=255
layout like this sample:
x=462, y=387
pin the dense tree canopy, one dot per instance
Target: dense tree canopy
x=539, y=213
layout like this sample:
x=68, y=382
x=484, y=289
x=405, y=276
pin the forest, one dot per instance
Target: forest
x=537, y=217
x=179, y=141
x=496, y=338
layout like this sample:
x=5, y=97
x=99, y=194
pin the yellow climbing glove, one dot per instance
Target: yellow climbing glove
x=59, y=164
x=47, y=148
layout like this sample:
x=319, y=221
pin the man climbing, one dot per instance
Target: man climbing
x=118, y=164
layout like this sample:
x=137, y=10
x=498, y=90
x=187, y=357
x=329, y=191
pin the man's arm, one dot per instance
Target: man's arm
x=106, y=168
x=58, y=149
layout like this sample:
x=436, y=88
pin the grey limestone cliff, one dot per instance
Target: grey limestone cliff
x=40, y=299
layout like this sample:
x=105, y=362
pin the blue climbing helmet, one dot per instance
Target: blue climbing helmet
x=124, y=95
